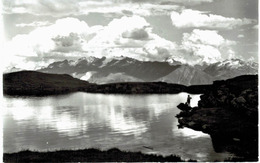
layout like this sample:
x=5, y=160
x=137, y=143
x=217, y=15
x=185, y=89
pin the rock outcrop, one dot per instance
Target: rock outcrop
x=229, y=114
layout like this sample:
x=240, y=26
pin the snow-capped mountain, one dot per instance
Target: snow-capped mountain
x=103, y=67
x=231, y=68
x=124, y=69
x=187, y=75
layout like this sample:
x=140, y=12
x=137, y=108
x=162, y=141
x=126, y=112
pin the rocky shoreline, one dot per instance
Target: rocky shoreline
x=229, y=114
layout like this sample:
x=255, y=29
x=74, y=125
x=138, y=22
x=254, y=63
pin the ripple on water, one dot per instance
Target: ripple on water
x=83, y=120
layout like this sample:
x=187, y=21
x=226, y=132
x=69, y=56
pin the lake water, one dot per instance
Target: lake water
x=84, y=120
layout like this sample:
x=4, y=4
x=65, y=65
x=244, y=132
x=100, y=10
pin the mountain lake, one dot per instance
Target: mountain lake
x=145, y=123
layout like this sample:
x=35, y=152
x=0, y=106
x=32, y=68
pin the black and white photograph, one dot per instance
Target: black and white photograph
x=129, y=80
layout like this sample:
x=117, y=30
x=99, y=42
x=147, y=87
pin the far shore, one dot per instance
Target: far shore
x=32, y=83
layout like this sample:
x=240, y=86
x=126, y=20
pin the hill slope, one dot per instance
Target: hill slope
x=187, y=75
x=37, y=83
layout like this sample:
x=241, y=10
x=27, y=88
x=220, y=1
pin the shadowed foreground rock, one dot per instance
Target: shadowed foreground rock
x=87, y=155
x=229, y=114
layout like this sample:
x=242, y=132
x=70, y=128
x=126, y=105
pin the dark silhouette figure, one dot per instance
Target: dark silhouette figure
x=188, y=100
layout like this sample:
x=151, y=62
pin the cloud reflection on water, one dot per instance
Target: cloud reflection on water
x=84, y=120
x=68, y=120
x=75, y=120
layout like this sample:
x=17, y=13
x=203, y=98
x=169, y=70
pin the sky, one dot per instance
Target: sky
x=39, y=32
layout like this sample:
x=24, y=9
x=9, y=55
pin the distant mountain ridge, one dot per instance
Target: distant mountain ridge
x=104, y=68
x=187, y=75
x=231, y=68
x=123, y=69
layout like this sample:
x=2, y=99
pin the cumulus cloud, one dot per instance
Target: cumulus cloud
x=209, y=37
x=126, y=31
x=160, y=49
x=206, y=46
x=192, y=18
x=58, y=35
x=72, y=42
x=51, y=41
x=137, y=34
x=135, y=40
x=127, y=36
x=46, y=39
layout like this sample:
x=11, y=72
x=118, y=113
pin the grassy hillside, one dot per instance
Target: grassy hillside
x=37, y=83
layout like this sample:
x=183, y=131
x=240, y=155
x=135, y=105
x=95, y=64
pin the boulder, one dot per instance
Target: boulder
x=184, y=107
x=191, y=124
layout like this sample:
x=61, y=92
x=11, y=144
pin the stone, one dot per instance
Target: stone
x=241, y=99
x=184, y=107
x=236, y=139
x=205, y=126
x=191, y=123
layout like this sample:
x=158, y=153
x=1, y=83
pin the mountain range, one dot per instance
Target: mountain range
x=124, y=69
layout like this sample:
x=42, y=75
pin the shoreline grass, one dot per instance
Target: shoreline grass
x=88, y=155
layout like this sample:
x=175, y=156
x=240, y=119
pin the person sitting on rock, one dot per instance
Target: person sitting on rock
x=188, y=100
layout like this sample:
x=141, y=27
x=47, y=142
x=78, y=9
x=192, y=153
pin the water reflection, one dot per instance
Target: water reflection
x=125, y=123
x=23, y=113
x=83, y=120
x=186, y=132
